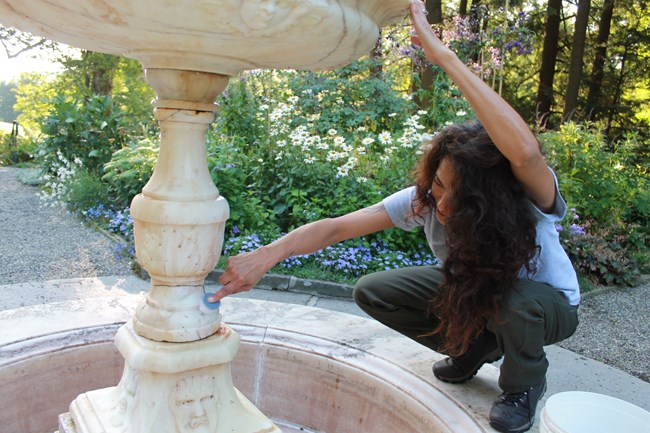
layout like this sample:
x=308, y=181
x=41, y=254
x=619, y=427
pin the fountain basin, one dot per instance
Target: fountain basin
x=309, y=370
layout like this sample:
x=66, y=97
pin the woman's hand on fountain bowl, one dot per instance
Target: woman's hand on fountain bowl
x=242, y=273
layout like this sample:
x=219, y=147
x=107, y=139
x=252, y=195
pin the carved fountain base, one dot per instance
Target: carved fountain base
x=189, y=389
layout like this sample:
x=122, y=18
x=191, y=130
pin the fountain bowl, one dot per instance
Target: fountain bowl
x=218, y=36
x=307, y=369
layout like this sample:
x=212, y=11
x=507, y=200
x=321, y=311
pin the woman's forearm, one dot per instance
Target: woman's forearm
x=507, y=129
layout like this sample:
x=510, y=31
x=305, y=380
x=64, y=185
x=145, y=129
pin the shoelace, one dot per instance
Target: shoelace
x=514, y=399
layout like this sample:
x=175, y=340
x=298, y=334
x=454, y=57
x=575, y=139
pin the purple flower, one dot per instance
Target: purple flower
x=577, y=229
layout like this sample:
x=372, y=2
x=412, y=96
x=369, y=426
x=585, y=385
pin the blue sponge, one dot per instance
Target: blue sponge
x=206, y=306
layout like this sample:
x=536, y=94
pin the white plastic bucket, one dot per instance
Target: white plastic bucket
x=588, y=412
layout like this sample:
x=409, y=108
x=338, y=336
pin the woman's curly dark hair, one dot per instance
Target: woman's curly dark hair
x=490, y=233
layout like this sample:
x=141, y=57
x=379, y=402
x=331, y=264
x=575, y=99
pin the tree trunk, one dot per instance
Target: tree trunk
x=462, y=8
x=475, y=16
x=577, y=53
x=99, y=70
x=618, y=91
x=597, y=70
x=426, y=73
x=376, y=55
x=549, y=57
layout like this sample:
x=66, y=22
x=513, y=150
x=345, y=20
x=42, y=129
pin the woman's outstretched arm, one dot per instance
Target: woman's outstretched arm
x=245, y=270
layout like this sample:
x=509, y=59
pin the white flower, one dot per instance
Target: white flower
x=422, y=112
x=339, y=141
x=449, y=123
x=332, y=132
x=361, y=129
x=362, y=179
x=461, y=113
x=293, y=99
x=342, y=171
x=392, y=115
x=310, y=160
x=368, y=140
x=385, y=138
x=281, y=143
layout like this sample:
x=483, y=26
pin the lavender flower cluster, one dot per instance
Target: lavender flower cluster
x=353, y=258
x=117, y=222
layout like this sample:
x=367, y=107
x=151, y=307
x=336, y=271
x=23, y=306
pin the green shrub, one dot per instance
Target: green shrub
x=90, y=130
x=129, y=170
x=607, y=184
x=14, y=149
x=85, y=191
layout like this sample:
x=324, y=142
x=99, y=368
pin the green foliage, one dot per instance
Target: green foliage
x=129, y=170
x=133, y=95
x=34, y=96
x=14, y=148
x=298, y=168
x=608, y=184
x=7, y=101
x=90, y=130
x=84, y=191
x=603, y=259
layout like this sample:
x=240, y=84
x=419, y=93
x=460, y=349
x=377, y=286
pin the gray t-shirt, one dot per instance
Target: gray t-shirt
x=553, y=265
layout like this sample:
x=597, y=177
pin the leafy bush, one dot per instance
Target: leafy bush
x=294, y=174
x=84, y=191
x=608, y=184
x=90, y=130
x=600, y=258
x=130, y=169
x=14, y=149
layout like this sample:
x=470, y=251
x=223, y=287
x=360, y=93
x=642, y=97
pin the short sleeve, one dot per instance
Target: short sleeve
x=399, y=207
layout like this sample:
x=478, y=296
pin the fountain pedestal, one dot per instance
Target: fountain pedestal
x=177, y=374
x=179, y=221
x=170, y=388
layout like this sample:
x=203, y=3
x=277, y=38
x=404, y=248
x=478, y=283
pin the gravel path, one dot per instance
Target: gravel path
x=42, y=243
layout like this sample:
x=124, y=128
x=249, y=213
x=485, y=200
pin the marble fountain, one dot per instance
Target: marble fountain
x=157, y=363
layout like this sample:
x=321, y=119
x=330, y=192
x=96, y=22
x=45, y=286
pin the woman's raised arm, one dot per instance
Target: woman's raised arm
x=505, y=126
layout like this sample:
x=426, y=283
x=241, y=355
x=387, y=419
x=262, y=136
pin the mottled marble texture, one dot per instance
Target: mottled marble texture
x=222, y=36
x=177, y=377
x=303, y=367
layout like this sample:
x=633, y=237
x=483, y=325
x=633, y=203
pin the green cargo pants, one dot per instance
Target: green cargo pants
x=533, y=316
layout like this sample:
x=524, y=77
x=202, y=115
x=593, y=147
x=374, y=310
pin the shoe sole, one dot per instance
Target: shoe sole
x=463, y=379
x=524, y=428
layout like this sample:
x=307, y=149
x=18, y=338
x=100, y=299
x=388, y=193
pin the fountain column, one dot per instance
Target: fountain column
x=177, y=375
